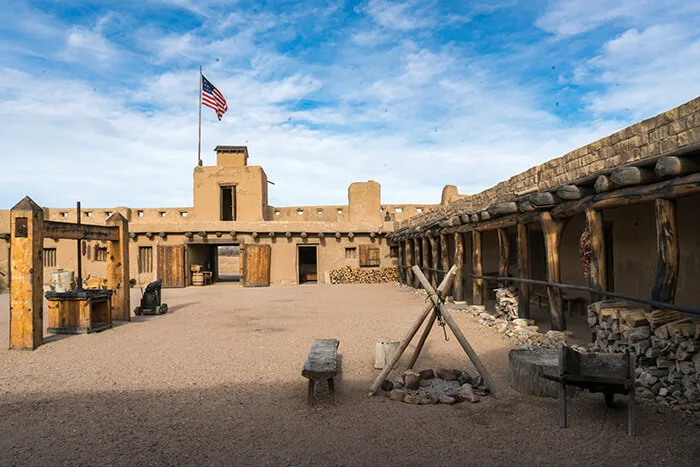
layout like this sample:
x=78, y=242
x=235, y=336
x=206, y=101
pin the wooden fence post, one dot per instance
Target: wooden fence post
x=26, y=275
x=664, y=289
x=435, y=255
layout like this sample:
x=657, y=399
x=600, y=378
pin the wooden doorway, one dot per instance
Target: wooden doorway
x=255, y=265
x=307, y=259
x=171, y=266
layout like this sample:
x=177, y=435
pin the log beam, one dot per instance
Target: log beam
x=504, y=254
x=552, y=230
x=629, y=176
x=427, y=253
x=543, y=199
x=71, y=231
x=524, y=266
x=674, y=166
x=477, y=269
x=502, y=209
x=417, y=258
x=435, y=259
x=444, y=252
x=664, y=289
x=603, y=184
x=458, y=287
x=408, y=254
x=573, y=192
x=598, y=273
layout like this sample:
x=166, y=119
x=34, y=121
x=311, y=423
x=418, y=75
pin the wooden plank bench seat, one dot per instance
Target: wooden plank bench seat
x=597, y=372
x=321, y=364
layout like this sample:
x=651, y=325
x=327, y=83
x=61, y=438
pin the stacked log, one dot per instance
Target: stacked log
x=666, y=346
x=507, y=302
x=350, y=275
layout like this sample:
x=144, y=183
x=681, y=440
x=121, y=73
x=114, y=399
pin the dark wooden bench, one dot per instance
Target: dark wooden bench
x=608, y=373
x=321, y=364
x=569, y=301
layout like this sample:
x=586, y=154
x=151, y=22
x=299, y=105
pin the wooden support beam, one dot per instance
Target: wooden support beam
x=444, y=253
x=435, y=259
x=458, y=287
x=484, y=215
x=504, y=254
x=26, y=275
x=525, y=206
x=477, y=269
x=427, y=253
x=669, y=189
x=458, y=333
x=524, y=266
x=573, y=192
x=666, y=279
x=118, y=268
x=408, y=254
x=597, y=271
x=71, y=231
x=629, y=176
x=474, y=218
x=603, y=184
x=417, y=258
x=674, y=166
x=552, y=230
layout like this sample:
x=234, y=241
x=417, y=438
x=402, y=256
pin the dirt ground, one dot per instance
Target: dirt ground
x=218, y=381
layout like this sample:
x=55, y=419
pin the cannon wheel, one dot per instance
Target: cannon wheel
x=137, y=311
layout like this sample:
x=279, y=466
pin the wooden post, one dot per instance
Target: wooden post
x=458, y=333
x=458, y=287
x=524, y=266
x=444, y=254
x=26, y=275
x=478, y=269
x=597, y=272
x=435, y=246
x=426, y=254
x=552, y=230
x=417, y=258
x=664, y=289
x=408, y=254
x=504, y=254
x=118, y=269
x=444, y=287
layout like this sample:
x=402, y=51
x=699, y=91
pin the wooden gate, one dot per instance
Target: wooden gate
x=171, y=265
x=255, y=265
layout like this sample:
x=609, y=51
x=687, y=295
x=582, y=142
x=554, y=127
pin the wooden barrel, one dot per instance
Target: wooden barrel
x=256, y=265
x=197, y=278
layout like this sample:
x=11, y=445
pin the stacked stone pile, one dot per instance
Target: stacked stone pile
x=666, y=346
x=441, y=386
x=507, y=302
x=350, y=275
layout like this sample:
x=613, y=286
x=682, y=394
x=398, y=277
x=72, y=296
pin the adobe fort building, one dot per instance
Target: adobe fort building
x=231, y=209
x=635, y=193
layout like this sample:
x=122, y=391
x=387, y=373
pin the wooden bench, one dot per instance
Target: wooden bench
x=321, y=364
x=608, y=373
x=569, y=301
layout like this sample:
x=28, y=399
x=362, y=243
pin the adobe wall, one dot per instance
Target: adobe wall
x=666, y=132
x=251, y=191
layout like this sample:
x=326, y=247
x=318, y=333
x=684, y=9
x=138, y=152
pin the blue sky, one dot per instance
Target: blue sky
x=98, y=99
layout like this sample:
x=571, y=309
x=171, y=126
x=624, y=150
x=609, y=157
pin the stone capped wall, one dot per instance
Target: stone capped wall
x=664, y=133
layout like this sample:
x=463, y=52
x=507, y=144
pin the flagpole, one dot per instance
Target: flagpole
x=199, y=105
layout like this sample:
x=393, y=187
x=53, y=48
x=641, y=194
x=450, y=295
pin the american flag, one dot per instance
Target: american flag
x=212, y=97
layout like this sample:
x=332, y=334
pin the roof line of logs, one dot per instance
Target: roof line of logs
x=669, y=176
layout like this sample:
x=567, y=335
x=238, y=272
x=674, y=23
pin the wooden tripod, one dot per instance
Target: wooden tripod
x=436, y=302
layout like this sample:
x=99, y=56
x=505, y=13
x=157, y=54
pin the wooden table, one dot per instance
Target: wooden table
x=79, y=312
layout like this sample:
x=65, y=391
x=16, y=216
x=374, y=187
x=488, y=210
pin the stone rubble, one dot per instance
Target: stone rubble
x=434, y=389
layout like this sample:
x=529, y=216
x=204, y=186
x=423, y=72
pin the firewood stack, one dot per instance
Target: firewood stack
x=507, y=302
x=666, y=346
x=350, y=275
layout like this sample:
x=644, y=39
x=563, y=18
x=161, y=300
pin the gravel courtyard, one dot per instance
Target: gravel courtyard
x=218, y=381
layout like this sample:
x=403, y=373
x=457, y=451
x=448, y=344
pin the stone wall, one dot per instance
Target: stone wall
x=664, y=133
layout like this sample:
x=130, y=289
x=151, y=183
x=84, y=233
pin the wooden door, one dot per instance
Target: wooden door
x=171, y=265
x=255, y=265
